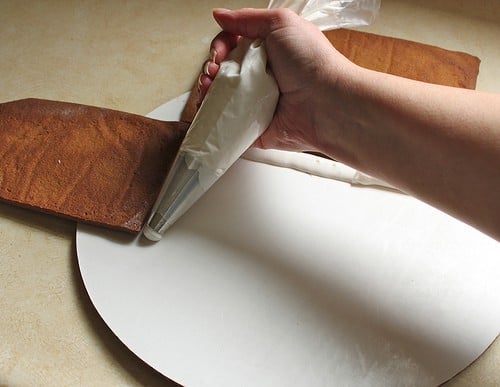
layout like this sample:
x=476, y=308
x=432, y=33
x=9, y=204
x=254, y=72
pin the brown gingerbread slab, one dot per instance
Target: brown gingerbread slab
x=404, y=58
x=90, y=164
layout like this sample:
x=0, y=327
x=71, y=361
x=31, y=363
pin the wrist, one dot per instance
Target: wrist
x=339, y=118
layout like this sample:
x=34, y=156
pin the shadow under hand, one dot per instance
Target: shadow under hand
x=334, y=301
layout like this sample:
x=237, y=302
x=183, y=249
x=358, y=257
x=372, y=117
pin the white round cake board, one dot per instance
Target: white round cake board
x=276, y=277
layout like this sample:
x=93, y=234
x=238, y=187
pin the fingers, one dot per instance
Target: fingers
x=222, y=44
x=252, y=23
x=210, y=67
x=204, y=82
x=220, y=47
x=208, y=72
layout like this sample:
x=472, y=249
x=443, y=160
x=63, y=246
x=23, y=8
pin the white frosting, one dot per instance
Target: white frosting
x=313, y=165
x=237, y=109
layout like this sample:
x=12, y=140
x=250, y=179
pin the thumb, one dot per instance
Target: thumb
x=250, y=22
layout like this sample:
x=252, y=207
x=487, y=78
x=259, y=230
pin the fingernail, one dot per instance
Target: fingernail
x=206, y=68
x=221, y=10
x=213, y=55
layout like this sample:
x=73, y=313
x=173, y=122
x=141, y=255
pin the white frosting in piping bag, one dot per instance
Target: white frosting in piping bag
x=238, y=108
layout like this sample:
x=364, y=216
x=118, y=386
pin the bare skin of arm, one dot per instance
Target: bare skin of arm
x=439, y=144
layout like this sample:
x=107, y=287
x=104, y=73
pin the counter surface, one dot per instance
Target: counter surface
x=112, y=54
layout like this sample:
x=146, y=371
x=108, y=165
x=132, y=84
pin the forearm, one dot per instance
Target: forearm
x=439, y=144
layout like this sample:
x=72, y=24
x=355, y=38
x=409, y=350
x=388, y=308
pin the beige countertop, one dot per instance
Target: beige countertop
x=134, y=56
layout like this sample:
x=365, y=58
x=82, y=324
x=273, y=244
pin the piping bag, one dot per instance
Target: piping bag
x=237, y=109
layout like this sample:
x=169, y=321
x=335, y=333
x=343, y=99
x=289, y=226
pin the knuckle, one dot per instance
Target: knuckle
x=282, y=17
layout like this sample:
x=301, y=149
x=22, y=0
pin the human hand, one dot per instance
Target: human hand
x=404, y=132
x=304, y=63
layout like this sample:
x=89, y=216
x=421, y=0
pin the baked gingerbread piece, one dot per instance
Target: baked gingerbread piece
x=404, y=58
x=85, y=163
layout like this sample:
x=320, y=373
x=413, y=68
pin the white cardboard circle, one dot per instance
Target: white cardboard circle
x=276, y=277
